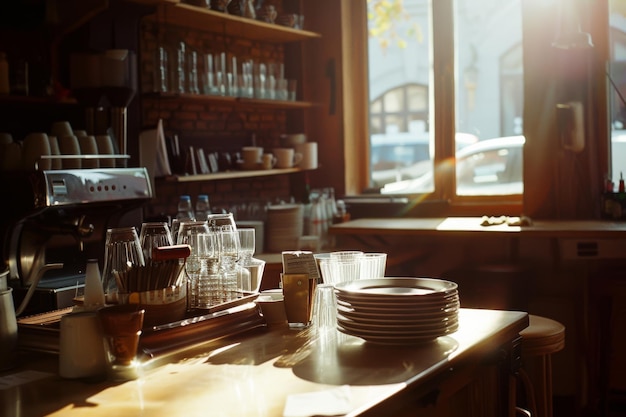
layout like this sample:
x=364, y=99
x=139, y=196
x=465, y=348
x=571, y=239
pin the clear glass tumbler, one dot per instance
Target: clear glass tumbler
x=246, y=245
x=325, y=308
x=188, y=234
x=154, y=235
x=373, y=265
x=207, y=291
x=122, y=252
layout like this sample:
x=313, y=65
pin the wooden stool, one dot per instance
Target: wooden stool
x=540, y=340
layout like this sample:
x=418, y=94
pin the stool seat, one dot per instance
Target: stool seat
x=543, y=336
x=540, y=340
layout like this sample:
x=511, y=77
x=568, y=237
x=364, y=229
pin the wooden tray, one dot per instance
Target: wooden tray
x=41, y=332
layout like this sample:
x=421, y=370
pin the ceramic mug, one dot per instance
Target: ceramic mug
x=105, y=147
x=251, y=155
x=269, y=161
x=69, y=146
x=35, y=146
x=89, y=146
x=55, y=151
x=287, y=157
x=61, y=128
x=309, y=155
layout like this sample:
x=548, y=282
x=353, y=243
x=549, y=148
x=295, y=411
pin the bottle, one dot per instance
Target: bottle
x=203, y=208
x=185, y=209
x=94, y=292
x=4, y=74
x=161, y=77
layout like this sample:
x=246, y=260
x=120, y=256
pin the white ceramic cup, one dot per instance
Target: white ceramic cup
x=251, y=155
x=55, y=151
x=105, y=147
x=35, y=145
x=88, y=146
x=309, y=155
x=269, y=161
x=12, y=156
x=61, y=128
x=81, y=346
x=68, y=144
x=287, y=157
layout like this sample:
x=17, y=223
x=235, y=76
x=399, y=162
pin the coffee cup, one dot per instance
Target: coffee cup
x=251, y=155
x=105, y=147
x=287, y=157
x=55, y=151
x=309, y=155
x=89, y=146
x=69, y=146
x=35, y=146
x=12, y=156
x=61, y=128
x=269, y=161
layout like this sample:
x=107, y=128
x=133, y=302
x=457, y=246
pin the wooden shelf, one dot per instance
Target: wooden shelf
x=194, y=17
x=238, y=101
x=229, y=175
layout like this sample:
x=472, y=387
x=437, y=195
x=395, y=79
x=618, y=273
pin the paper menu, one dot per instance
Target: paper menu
x=300, y=262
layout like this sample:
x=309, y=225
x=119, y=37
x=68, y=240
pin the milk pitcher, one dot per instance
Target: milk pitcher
x=8, y=325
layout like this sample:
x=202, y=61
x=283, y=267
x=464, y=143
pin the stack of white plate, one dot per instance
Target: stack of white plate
x=397, y=311
x=283, y=227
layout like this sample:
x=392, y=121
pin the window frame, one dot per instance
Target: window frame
x=442, y=117
x=549, y=193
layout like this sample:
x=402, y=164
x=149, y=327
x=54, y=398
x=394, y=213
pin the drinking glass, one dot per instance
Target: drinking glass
x=217, y=220
x=122, y=252
x=229, y=255
x=246, y=245
x=229, y=248
x=154, y=235
x=341, y=266
x=325, y=308
x=188, y=232
x=121, y=327
x=207, y=283
x=373, y=265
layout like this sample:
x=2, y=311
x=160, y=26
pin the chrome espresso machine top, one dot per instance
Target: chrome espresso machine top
x=61, y=216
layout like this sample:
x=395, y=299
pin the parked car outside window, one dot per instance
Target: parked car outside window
x=488, y=167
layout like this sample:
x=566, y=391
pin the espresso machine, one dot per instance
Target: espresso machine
x=56, y=220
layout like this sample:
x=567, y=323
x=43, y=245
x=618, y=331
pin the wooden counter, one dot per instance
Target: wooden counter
x=472, y=225
x=253, y=374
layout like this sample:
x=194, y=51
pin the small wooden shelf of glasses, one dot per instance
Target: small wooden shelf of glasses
x=193, y=17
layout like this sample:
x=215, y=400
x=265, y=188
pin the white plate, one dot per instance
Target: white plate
x=391, y=287
x=400, y=309
x=407, y=328
x=409, y=302
x=400, y=317
x=392, y=340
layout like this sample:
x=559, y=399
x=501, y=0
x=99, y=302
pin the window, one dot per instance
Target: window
x=406, y=78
